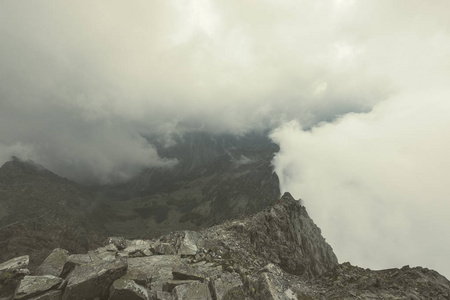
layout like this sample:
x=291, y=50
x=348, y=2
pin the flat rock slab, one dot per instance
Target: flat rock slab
x=54, y=263
x=32, y=286
x=193, y=291
x=190, y=243
x=15, y=264
x=156, y=269
x=119, y=242
x=93, y=279
x=127, y=289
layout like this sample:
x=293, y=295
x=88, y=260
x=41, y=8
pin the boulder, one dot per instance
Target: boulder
x=16, y=265
x=11, y=272
x=190, y=243
x=156, y=269
x=74, y=261
x=137, y=248
x=54, y=263
x=119, y=242
x=229, y=285
x=50, y=295
x=164, y=249
x=160, y=295
x=99, y=255
x=127, y=289
x=193, y=291
x=32, y=286
x=93, y=279
x=269, y=286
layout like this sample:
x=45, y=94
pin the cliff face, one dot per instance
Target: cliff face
x=277, y=253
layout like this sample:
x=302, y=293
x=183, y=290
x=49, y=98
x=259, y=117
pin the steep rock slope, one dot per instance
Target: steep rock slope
x=217, y=178
x=278, y=253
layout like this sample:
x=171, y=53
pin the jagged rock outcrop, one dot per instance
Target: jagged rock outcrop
x=276, y=254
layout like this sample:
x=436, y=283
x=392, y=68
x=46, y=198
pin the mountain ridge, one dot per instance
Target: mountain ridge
x=277, y=253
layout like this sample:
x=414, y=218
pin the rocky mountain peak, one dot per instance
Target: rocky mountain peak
x=278, y=253
x=17, y=168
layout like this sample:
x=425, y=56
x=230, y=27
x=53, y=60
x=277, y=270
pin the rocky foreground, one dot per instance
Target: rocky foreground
x=278, y=253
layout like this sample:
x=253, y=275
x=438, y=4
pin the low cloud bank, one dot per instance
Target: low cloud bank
x=81, y=83
x=377, y=184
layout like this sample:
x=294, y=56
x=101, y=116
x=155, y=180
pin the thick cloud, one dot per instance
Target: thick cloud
x=81, y=82
x=376, y=182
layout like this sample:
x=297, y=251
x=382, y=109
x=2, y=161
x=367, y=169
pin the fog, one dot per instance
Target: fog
x=355, y=92
x=81, y=83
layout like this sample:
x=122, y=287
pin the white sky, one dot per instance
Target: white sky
x=81, y=82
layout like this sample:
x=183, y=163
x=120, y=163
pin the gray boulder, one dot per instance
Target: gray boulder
x=163, y=248
x=127, y=289
x=228, y=286
x=269, y=286
x=54, y=263
x=190, y=243
x=119, y=242
x=193, y=291
x=91, y=280
x=11, y=272
x=32, y=286
x=50, y=295
x=156, y=270
x=137, y=248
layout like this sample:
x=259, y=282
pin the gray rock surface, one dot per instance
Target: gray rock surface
x=227, y=286
x=189, y=243
x=123, y=289
x=164, y=248
x=50, y=295
x=278, y=253
x=93, y=279
x=11, y=272
x=193, y=291
x=156, y=269
x=54, y=263
x=15, y=264
x=32, y=286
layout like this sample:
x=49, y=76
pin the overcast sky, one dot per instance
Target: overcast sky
x=358, y=92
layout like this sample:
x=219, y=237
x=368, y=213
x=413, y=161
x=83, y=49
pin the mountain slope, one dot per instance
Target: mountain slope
x=218, y=178
x=41, y=211
x=278, y=253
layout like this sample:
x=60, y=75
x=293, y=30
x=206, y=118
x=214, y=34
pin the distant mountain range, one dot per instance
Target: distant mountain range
x=218, y=177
